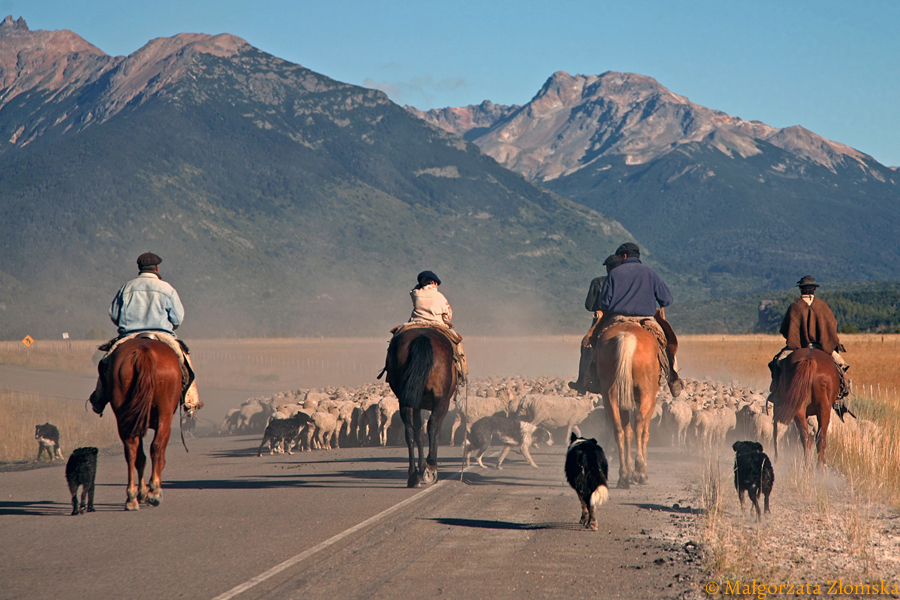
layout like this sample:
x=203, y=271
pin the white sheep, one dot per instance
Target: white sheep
x=678, y=414
x=387, y=408
x=473, y=408
x=556, y=411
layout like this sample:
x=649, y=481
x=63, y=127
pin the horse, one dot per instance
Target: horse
x=422, y=374
x=808, y=386
x=627, y=369
x=144, y=389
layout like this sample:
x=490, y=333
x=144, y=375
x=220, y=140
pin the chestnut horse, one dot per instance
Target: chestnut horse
x=627, y=368
x=144, y=388
x=422, y=375
x=808, y=386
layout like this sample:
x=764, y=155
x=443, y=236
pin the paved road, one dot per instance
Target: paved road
x=228, y=516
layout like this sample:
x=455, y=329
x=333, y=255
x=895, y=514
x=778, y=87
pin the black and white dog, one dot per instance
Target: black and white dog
x=753, y=474
x=47, y=436
x=586, y=472
x=81, y=470
x=511, y=432
x=285, y=432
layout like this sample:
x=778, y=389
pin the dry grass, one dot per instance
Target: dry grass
x=19, y=413
x=820, y=529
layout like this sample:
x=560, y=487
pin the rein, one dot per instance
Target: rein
x=181, y=425
x=462, y=463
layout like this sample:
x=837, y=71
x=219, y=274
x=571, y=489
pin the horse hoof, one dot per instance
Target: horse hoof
x=623, y=484
x=133, y=505
x=640, y=479
x=430, y=476
x=154, y=500
x=413, y=482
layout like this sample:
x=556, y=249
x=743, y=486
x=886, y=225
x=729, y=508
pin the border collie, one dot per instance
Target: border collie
x=47, y=436
x=511, y=432
x=284, y=433
x=586, y=472
x=753, y=474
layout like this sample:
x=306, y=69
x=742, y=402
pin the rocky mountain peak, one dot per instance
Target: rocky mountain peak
x=11, y=27
x=574, y=120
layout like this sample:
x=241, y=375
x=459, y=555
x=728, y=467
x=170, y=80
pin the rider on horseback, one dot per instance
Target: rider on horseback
x=147, y=304
x=592, y=304
x=431, y=309
x=633, y=289
x=809, y=323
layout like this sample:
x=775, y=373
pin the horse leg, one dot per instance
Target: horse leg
x=140, y=463
x=805, y=438
x=158, y=456
x=421, y=440
x=131, y=490
x=628, y=431
x=434, y=434
x=406, y=415
x=642, y=424
x=822, y=434
x=615, y=417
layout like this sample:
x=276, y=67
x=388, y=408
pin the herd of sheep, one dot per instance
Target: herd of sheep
x=705, y=414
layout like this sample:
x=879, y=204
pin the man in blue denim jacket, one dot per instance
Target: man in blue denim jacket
x=148, y=304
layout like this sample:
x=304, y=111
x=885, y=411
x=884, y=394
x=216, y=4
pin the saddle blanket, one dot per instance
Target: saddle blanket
x=651, y=325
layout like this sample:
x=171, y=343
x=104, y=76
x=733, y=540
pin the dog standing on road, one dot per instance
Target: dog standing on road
x=512, y=433
x=753, y=474
x=47, y=436
x=81, y=470
x=586, y=472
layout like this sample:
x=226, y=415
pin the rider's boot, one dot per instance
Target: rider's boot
x=584, y=366
x=98, y=398
x=676, y=385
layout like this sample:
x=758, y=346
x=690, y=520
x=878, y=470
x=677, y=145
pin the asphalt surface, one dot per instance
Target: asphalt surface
x=228, y=517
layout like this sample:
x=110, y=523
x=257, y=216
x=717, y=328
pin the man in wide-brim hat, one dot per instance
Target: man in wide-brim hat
x=809, y=323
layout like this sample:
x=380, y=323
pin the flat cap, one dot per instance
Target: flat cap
x=147, y=261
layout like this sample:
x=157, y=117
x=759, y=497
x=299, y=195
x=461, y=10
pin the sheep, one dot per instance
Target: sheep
x=325, y=427
x=230, y=421
x=387, y=408
x=556, y=411
x=469, y=410
x=678, y=414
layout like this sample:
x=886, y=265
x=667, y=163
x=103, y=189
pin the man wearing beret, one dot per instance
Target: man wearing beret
x=809, y=323
x=634, y=290
x=148, y=304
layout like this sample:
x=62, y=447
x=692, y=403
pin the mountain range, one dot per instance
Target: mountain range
x=734, y=206
x=281, y=201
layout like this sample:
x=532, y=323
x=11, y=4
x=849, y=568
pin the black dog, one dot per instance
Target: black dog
x=283, y=431
x=47, y=436
x=586, y=471
x=81, y=470
x=753, y=474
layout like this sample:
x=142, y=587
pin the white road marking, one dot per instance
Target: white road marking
x=321, y=546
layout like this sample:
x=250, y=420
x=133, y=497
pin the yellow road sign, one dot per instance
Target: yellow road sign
x=28, y=341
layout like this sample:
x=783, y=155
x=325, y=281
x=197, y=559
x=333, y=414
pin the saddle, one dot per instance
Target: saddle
x=459, y=356
x=187, y=371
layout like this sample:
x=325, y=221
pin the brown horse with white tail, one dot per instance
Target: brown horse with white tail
x=144, y=386
x=627, y=367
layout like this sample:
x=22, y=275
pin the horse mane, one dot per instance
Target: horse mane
x=626, y=344
x=418, y=365
x=135, y=419
x=798, y=393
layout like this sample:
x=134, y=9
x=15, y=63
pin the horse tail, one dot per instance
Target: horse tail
x=626, y=345
x=798, y=393
x=419, y=361
x=139, y=399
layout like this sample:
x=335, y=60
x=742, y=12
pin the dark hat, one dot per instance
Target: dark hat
x=612, y=260
x=428, y=275
x=807, y=281
x=629, y=248
x=147, y=261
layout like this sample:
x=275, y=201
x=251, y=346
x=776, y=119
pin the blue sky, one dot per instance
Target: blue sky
x=830, y=66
